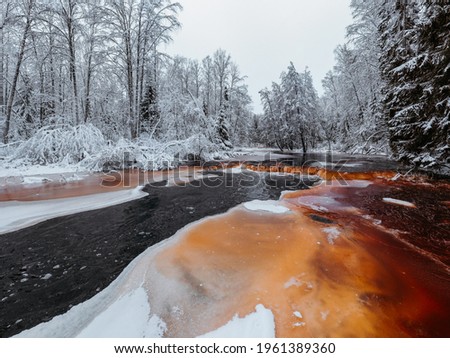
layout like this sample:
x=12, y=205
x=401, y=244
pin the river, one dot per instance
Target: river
x=350, y=255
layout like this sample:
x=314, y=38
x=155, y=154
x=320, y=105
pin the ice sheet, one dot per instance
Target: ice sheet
x=15, y=215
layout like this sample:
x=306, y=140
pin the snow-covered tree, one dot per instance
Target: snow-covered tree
x=208, y=97
x=26, y=11
x=352, y=96
x=415, y=42
x=291, y=111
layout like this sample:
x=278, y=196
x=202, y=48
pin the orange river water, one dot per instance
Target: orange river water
x=342, y=262
x=352, y=276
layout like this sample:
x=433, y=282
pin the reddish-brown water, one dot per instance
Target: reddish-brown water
x=90, y=184
x=350, y=263
x=343, y=263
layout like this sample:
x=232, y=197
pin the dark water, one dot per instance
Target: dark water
x=85, y=252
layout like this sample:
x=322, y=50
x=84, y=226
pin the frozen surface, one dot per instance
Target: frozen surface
x=120, y=310
x=28, y=170
x=317, y=203
x=235, y=170
x=181, y=177
x=36, y=180
x=399, y=202
x=15, y=215
x=260, y=324
x=359, y=183
x=119, y=321
x=271, y=206
x=332, y=234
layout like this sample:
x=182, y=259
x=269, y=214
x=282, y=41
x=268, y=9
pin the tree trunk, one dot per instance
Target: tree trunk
x=72, y=68
x=87, y=108
x=20, y=57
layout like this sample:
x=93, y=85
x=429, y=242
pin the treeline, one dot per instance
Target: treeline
x=99, y=62
x=388, y=92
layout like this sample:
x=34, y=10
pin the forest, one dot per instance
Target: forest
x=85, y=81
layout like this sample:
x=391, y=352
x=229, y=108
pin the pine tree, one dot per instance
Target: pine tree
x=415, y=65
x=222, y=129
x=149, y=111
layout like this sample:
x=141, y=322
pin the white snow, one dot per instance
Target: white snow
x=36, y=180
x=15, y=215
x=119, y=321
x=47, y=276
x=298, y=282
x=182, y=177
x=399, y=202
x=271, y=206
x=292, y=282
x=131, y=306
x=350, y=165
x=324, y=315
x=260, y=324
x=18, y=170
x=332, y=234
x=359, y=183
x=236, y=170
x=317, y=203
x=116, y=306
x=299, y=324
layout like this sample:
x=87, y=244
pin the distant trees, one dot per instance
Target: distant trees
x=71, y=62
x=205, y=97
x=74, y=61
x=415, y=42
x=291, y=111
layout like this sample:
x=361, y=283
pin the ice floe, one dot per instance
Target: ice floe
x=399, y=202
x=271, y=206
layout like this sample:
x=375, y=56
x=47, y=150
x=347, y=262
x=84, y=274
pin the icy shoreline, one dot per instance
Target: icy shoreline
x=18, y=215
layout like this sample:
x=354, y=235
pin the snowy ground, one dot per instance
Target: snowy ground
x=18, y=170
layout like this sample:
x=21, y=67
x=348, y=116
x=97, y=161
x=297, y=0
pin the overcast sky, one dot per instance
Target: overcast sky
x=263, y=36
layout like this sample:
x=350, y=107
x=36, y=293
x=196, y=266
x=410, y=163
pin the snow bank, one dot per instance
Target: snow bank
x=152, y=155
x=270, y=206
x=120, y=307
x=16, y=215
x=18, y=169
x=85, y=147
x=35, y=180
x=260, y=324
x=61, y=144
x=119, y=321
